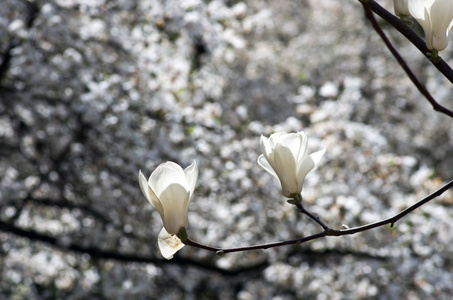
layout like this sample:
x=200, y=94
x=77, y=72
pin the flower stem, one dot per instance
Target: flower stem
x=313, y=217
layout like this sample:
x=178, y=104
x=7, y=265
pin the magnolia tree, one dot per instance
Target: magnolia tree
x=198, y=97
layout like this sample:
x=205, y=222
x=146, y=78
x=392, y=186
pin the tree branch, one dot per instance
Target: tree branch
x=414, y=38
x=329, y=231
x=97, y=253
x=309, y=214
x=369, y=6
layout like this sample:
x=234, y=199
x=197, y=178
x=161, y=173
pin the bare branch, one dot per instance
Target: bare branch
x=369, y=14
x=309, y=214
x=416, y=40
x=329, y=231
x=98, y=253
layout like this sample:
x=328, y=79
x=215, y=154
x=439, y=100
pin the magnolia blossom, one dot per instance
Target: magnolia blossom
x=169, y=190
x=400, y=8
x=285, y=157
x=435, y=17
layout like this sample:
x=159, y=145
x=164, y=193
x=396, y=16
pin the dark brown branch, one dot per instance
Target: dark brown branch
x=309, y=214
x=367, y=6
x=97, y=253
x=416, y=40
x=329, y=231
x=403, y=213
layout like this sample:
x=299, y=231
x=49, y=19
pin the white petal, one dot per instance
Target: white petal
x=400, y=8
x=303, y=147
x=418, y=10
x=165, y=175
x=292, y=141
x=175, y=199
x=262, y=161
x=168, y=244
x=307, y=165
x=285, y=167
x=266, y=148
x=264, y=144
x=171, y=165
x=317, y=156
x=149, y=193
x=144, y=185
x=191, y=173
x=441, y=16
x=275, y=137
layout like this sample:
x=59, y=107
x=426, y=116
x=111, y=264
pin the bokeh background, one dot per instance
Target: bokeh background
x=91, y=91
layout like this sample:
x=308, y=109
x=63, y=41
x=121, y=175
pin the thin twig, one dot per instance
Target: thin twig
x=329, y=231
x=313, y=217
x=369, y=14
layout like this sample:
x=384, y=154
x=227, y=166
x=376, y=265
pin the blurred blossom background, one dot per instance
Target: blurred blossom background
x=93, y=91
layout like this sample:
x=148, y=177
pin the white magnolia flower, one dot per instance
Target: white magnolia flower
x=400, y=8
x=169, y=190
x=435, y=17
x=285, y=157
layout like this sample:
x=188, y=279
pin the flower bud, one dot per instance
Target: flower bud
x=169, y=190
x=285, y=157
x=435, y=17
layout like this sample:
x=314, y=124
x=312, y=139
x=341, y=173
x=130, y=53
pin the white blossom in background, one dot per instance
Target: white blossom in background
x=435, y=17
x=400, y=8
x=285, y=157
x=169, y=190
